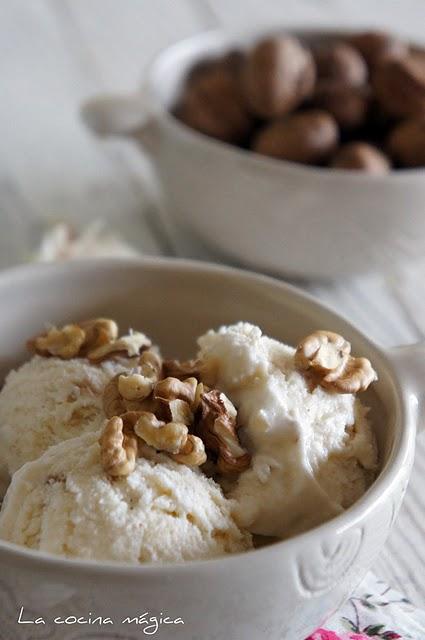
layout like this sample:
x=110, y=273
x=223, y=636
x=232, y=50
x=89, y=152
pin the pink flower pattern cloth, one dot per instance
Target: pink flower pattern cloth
x=374, y=612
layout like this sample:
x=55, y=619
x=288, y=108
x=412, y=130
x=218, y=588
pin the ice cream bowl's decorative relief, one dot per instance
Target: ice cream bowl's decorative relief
x=321, y=570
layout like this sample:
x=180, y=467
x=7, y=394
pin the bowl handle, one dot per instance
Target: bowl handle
x=119, y=115
x=410, y=364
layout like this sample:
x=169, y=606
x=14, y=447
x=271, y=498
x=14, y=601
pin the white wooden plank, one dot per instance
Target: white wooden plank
x=52, y=56
x=402, y=561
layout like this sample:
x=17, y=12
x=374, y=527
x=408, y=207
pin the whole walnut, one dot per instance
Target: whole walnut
x=400, y=87
x=361, y=156
x=279, y=73
x=406, y=143
x=308, y=137
x=348, y=105
x=378, y=46
x=339, y=62
x=232, y=62
x=213, y=104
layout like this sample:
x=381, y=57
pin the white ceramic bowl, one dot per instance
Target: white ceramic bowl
x=280, y=592
x=275, y=215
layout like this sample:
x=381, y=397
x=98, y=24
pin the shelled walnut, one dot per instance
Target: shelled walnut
x=96, y=339
x=216, y=424
x=324, y=358
x=179, y=417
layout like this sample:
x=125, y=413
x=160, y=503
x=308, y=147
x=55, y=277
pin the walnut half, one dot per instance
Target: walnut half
x=216, y=425
x=75, y=340
x=64, y=343
x=324, y=357
x=118, y=448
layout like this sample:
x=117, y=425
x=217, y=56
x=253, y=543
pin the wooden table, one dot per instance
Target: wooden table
x=55, y=54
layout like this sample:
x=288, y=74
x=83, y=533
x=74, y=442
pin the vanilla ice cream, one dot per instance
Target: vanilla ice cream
x=313, y=452
x=64, y=503
x=48, y=400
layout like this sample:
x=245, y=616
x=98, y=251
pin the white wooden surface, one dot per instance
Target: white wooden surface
x=55, y=53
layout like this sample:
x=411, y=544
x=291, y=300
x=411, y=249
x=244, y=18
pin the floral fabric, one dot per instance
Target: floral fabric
x=374, y=611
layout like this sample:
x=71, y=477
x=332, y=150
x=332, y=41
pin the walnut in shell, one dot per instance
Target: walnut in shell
x=279, y=73
x=341, y=63
x=213, y=104
x=400, y=87
x=406, y=143
x=360, y=156
x=378, y=46
x=308, y=137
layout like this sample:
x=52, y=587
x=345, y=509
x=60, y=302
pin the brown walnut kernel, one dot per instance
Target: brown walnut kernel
x=324, y=357
x=216, y=425
x=95, y=339
x=64, y=343
x=182, y=369
x=169, y=437
x=139, y=384
x=357, y=375
x=118, y=448
x=130, y=345
x=98, y=332
x=113, y=402
x=122, y=392
x=175, y=389
x=192, y=453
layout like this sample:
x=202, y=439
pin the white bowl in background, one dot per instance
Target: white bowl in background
x=271, y=214
x=283, y=591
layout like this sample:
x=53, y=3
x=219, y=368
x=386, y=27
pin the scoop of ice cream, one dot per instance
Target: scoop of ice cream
x=65, y=504
x=48, y=400
x=314, y=452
